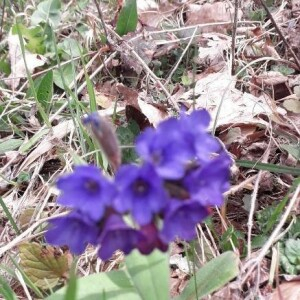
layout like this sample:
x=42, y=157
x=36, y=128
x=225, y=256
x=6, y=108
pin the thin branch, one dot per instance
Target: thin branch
x=181, y=57
x=102, y=21
x=234, y=28
x=280, y=33
x=250, y=265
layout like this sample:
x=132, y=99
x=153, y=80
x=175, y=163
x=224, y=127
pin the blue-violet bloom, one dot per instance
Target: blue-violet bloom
x=75, y=230
x=166, y=148
x=207, y=184
x=152, y=240
x=181, y=218
x=117, y=235
x=140, y=191
x=87, y=190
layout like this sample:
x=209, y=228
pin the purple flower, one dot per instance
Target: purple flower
x=75, y=230
x=198, y=120
x=151, y=241
x=140, y=191
x=86, y=189
x=166, y=148
x=193, y=128
x=117, y=235
x=181, y=218
x=208, y=184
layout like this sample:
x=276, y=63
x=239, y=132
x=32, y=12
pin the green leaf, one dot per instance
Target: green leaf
x=48, y=12
x=67, y=71
x=212, y=276
x=128, y=18
x=102, y=286
x=292, y=251
x=45, y=90
x=150, y=274
x=258, y=241
x=9, y=216
x=44, y=265
x=34, y=37
x=294, y=150
x=126, y=136
x=70, y=47
x=5, y=67
x=10, y=145
x=275, y=213
x=6, y=291
x=32, y=141
x=268, y=167
x=289, y=256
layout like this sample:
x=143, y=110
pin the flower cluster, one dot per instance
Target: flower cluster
x=183, y=171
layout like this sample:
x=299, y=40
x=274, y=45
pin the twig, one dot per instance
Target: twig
x=145, y=67
x=24, y=235
x=181, y=57
x=253, y=201
x=234, y=28
x=2, y=18
x=102, y=21
x=250, y=265
x=280, y=33
x=252, y=210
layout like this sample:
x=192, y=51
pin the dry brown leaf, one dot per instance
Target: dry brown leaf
x=212, y=53
x=292, y=105
x=106, y=94
x=271, y=78
x=145, y=48
x=287, y=291
x=151, y=13
x=18, y=69
x=211, y=13
x=154, y=115
x=128, y=95
x=236, y=107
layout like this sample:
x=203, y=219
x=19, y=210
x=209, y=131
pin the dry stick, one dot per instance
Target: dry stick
x=25, y=234
x=181, y=57
x=272, y=238
x=234, y=28
x=102, y=21
x=252, y=210
x=280, y=34
x=2, y=18
x=146, y=68
x=253, y=201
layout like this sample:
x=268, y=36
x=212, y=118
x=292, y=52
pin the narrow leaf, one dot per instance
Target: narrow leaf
x=128, y=18
x=212, y=276
x=268, y=167
x=45, y=90
x=102, y=286
x=150, y=274
x=10, y=145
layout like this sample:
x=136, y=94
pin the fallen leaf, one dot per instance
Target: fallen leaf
x=152, y=13
x=154, y=115
x=271, y=78
x=217, y=93
x=128, y=95
x=287, y=291
x=292, y=105
x=44, y=265
x=18, y=69
x=211, y=13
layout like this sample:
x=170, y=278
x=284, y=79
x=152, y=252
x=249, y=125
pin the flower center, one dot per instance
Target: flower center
x=140, y=187
x=92, y=186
